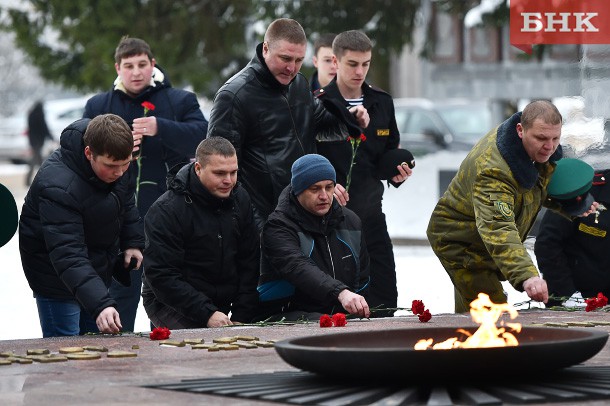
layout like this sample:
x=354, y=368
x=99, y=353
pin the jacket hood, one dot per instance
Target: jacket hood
x=184, y=181
x=512, y=150
x=158, y=80
x=290, y=206
x=72, y=150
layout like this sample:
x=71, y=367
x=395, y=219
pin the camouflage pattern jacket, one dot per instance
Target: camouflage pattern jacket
x=481, y=221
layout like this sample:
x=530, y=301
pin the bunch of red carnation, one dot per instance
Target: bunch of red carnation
x=337, y=320
x=596, y=302
x=160, y=333
x=418, y=308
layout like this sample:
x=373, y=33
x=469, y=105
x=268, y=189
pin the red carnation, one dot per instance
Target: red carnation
x=326, y=321
x=160, y=333
x=417, y=307
x=362, y=137
x=425, y=316
x=339, y=320
x=148, y=106
x=601, y=300
x=591, y=305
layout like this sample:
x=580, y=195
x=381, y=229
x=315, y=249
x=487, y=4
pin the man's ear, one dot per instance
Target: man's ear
x=520, y=130
x=88, y=153
x=153, y=62
x=197, y=168
x=118, y=70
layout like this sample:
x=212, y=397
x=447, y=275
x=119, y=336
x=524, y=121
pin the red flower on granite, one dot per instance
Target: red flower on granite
x=160, y=333
x=596, y=302
x=425, y=316
x=417, y=307
x=326, y=321
x=339, y=320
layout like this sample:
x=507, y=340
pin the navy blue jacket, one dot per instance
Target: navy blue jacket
x=181, y=127
x=73, y=225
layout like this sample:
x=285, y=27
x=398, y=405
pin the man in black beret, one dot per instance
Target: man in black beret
x=358, y=160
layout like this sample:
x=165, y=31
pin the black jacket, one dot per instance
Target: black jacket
x=181, y=127
x=366, y=189
x=73, y=225
x=573, y=255
x=270, y=125
x=319, y=256
x=202, y=253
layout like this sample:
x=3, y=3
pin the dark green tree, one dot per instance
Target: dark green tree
x=197, y=42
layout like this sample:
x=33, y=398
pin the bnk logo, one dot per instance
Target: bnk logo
x=559, y=22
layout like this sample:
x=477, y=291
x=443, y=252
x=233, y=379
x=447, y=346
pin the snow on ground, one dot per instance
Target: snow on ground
x=419, y=273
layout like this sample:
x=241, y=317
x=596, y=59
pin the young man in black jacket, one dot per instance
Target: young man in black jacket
x=352, y=51
x=167, y=125
x=78, y=214
x=202, y=247
x=314, y=252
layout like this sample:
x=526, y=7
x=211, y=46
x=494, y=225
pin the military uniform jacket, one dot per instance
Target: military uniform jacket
x=573, y=254
x=483, y=218
x=270, y=125
x=366, y=189
x=319, y=256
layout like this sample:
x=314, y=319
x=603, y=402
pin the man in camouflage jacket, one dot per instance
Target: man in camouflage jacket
x=478, y=226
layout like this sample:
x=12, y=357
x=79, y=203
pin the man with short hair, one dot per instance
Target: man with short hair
x=478, y=226
x=201, y=260
x=315, y=245
x=167, y=125
x=325, y=64
x=78, y=214
x=352, y=53
x=270, y=116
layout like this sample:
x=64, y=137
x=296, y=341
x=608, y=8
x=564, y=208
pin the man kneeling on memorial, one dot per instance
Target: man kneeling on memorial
x=314, y=255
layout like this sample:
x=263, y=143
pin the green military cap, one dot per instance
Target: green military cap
x=570, y=185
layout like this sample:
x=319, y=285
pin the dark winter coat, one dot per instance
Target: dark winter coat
x=73, y=225
x=319, y=256
x=270, y=125
x=202, y=253
x=181, y=127
x=573, y=255
x=366, y=188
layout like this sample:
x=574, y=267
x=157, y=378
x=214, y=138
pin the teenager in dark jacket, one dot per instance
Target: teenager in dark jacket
x=164, y=136
x=202, y=247
x=270, y=116
x=315, y=245
x=573, y=254
x=352, y=50
x=78, y=214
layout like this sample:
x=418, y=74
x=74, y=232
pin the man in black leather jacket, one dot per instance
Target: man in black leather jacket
x=269, y=114
x=78, y=214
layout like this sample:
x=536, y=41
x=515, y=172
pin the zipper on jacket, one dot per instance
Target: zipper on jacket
x=296, y=132
x=332, y=264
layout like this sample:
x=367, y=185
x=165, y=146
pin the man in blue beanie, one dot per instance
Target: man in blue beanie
x=314, y=255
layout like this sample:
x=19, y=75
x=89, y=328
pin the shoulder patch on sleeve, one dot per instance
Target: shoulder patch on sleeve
x=504, y=209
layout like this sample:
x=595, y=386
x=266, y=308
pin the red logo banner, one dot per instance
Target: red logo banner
x=559, y=22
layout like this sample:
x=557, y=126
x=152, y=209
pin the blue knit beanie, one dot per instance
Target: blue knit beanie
x=310, y=169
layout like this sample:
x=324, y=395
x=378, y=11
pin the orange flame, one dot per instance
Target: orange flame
x=486, y=313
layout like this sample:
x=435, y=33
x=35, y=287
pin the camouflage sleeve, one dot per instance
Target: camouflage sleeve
x=494, y=206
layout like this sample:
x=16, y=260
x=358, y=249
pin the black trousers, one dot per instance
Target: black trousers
x=383, y=292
